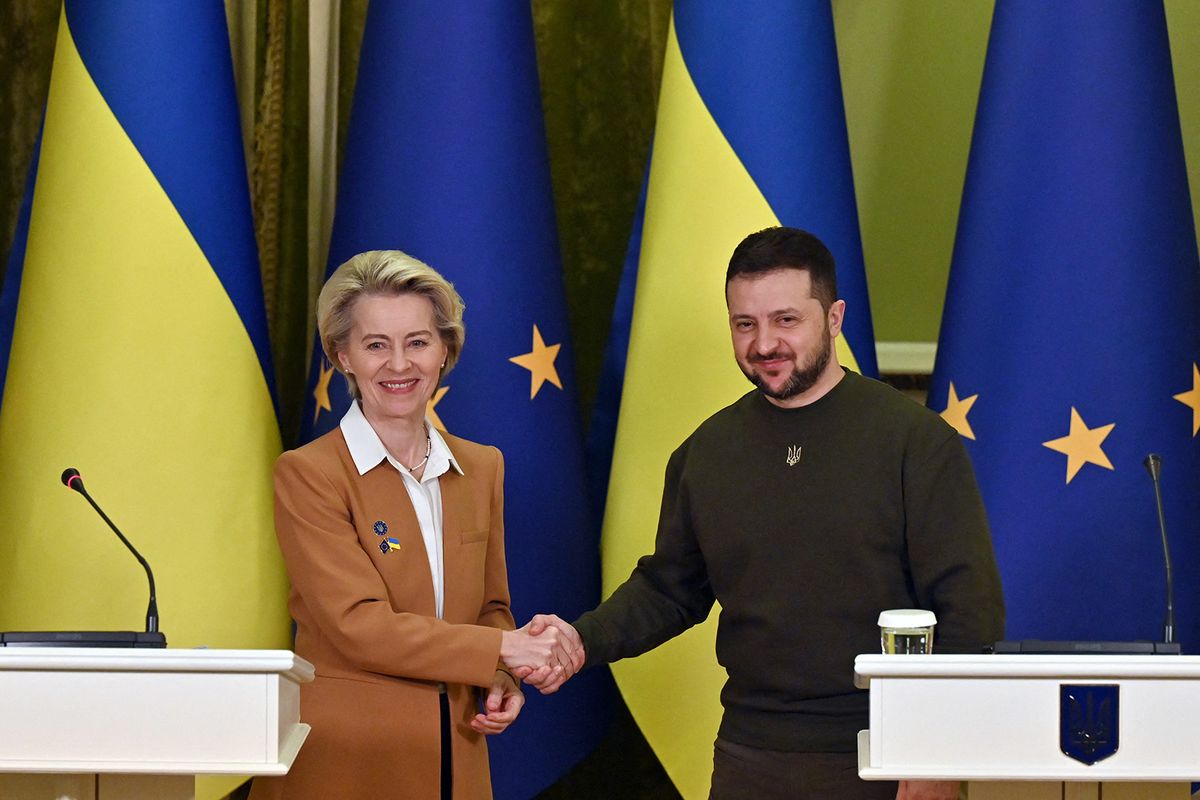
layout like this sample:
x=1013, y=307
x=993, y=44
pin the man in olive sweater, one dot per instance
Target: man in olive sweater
x=806, y=507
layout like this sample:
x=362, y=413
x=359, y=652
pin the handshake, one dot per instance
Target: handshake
x=544, y=653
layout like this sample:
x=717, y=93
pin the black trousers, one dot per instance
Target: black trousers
x=740, y=771
x=447, y=772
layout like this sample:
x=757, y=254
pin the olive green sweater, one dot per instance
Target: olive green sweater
x=879, y=510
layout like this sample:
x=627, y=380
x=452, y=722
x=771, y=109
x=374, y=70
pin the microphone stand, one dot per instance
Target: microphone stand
x=1153, y=464
x=76, y=482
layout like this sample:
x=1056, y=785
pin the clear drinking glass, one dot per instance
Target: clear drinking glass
x=906, y=631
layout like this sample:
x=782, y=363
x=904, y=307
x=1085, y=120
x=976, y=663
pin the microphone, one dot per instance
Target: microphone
x=1153, y=465
x=73, y=480
x=1168, y=646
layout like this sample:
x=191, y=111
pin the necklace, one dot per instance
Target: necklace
x=428, y=450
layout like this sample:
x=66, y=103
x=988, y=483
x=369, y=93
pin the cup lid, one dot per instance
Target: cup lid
x=906, y=618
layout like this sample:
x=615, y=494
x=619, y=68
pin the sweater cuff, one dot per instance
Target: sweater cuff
x=591, y=631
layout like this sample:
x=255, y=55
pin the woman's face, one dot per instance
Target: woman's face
x=395, y=354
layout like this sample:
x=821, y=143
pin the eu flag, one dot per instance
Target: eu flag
x=1071, y=337
x=446, y=160
x=750, y=133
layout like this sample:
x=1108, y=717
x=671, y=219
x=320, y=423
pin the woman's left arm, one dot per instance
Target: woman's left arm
x=504, y=700
x=501, y=705
x=494, y=610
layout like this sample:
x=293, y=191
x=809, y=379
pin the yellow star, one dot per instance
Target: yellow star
x=1192, y=399
x=540, y=363
x=1082, y=445
x=433, y=401
x=321, y=392
x=957, y=410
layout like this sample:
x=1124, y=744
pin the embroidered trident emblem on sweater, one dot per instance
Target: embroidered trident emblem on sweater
x=793, y=456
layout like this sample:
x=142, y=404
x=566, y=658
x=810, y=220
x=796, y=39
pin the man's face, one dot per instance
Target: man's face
x=782, y=338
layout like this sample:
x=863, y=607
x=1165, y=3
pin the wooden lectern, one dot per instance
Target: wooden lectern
x=118, y=724
x=1006, y=723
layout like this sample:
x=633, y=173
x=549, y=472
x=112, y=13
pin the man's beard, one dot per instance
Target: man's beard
x=802, y=379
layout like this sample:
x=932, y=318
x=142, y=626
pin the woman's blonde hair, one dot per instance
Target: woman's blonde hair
x=386, y=272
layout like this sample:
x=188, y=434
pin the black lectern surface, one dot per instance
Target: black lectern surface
x=83, y=639
x=1053, y=648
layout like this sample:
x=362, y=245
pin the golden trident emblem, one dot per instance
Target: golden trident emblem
x=793, y=456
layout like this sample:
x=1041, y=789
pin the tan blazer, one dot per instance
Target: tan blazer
x=366, y=620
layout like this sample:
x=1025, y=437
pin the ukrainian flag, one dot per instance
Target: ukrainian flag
x=751, y=133
x=1070, y=346
x=139, y=344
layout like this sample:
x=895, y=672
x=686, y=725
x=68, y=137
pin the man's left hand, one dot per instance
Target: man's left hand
x=927, y=790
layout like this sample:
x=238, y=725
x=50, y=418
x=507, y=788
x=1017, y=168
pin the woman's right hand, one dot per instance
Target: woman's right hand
x=550, y=649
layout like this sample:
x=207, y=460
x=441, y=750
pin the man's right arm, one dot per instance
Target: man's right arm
x=667, y=593
x=656, y=603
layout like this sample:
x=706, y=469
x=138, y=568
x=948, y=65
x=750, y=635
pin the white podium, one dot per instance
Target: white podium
x=116, y=724
x=994, y=721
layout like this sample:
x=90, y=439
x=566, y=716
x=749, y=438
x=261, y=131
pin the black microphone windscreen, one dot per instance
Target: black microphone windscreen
x=1153, y=465
x=71, y=479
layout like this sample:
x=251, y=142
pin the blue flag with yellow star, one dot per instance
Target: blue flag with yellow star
x=446, y=160
x=1071, y=336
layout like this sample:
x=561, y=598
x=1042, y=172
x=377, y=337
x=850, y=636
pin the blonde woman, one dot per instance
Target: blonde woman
x=393, y=536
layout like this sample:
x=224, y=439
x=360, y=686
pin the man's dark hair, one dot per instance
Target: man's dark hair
x=787, y=248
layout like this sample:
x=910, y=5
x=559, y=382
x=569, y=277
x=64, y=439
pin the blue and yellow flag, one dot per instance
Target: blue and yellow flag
x=751, y=133
x=139, y=346
x=139, y=355
x=446, y=160
x=1071, y=339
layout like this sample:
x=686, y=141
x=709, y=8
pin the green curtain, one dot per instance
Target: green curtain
x=26, y=51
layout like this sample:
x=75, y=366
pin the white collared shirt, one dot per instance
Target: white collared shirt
x=367, y=450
